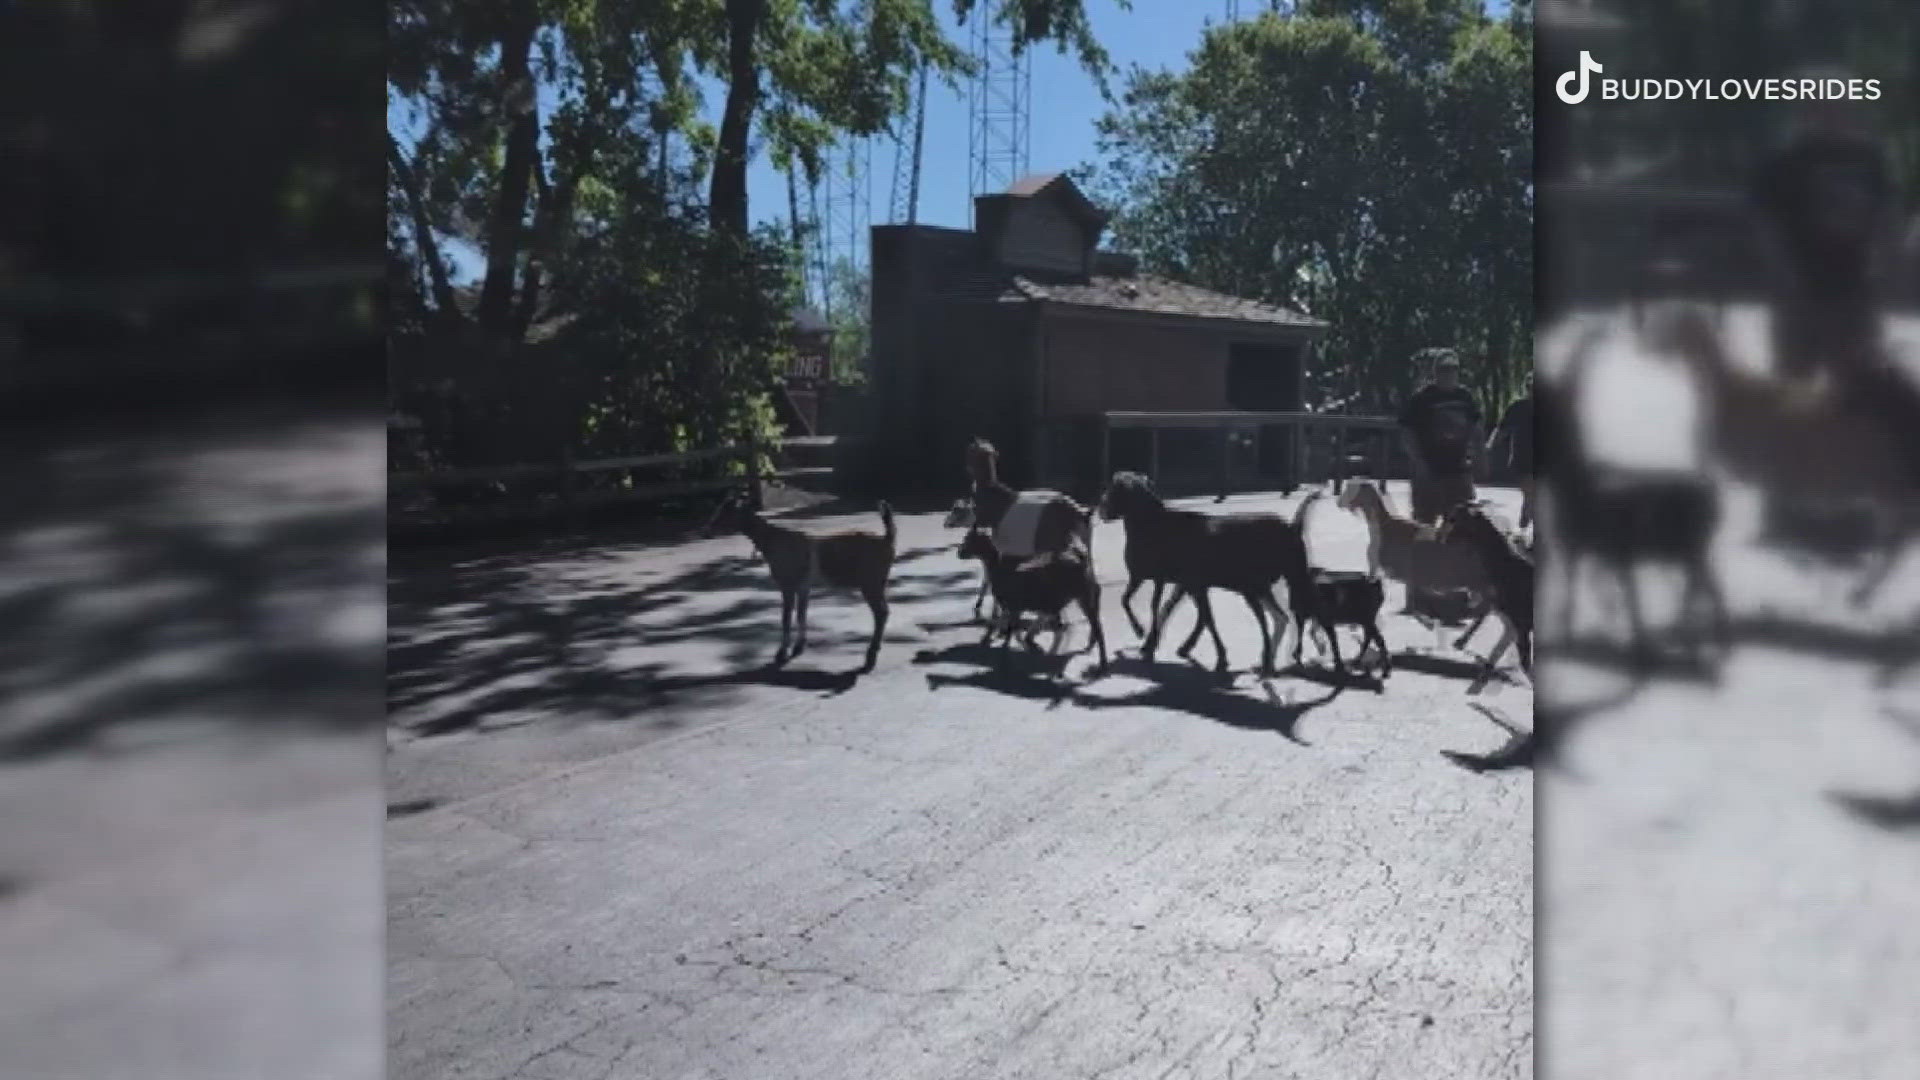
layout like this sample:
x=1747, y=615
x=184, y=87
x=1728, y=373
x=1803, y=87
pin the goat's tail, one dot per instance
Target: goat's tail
x=886, y=519
x=1300, y=512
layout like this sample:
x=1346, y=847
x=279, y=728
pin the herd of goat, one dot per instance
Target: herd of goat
x=1756, y=428
x=1183, y=554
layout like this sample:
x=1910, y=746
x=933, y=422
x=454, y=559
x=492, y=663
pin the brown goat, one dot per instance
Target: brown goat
x=854, y=559
x=1804, y=443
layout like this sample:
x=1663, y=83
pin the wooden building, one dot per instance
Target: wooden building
x=1022, y=330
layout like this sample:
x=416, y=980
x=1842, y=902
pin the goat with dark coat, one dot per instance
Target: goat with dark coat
x=1062, y=521
x=1041, y=585
x=1509, y=576
x=1244, y=553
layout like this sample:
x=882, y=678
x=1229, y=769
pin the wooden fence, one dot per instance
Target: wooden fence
x=1244, y=451
x=565, y=486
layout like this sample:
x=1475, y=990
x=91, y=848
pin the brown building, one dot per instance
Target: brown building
x=1023, y=331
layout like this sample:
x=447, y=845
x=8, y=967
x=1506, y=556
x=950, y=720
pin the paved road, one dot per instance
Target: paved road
x=617, y=849
x=1728, y=872
x=189, y=751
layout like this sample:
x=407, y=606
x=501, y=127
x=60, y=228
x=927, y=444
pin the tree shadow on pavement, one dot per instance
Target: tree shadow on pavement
x=223, y=573
x=596, y=635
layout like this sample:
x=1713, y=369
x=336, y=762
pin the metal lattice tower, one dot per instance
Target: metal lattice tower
x=903, y=205
x=843, y=212
x=998, y=110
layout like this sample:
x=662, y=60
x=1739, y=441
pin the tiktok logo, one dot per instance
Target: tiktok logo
x=1575, y=97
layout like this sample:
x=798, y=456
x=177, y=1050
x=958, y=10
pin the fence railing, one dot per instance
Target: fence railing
x=572, y=485
x=1192, y=452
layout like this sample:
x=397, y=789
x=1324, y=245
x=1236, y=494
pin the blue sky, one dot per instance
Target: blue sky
x=1155, y=34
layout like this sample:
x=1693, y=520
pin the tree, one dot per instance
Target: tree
x=850, y=292
x=830, y=68
x=1367, y=160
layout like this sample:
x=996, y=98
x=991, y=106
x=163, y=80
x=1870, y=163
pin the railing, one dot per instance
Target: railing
x=1244, y=451
x=566, y=491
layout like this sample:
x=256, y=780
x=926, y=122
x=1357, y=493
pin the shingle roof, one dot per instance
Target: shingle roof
x=1159, y=296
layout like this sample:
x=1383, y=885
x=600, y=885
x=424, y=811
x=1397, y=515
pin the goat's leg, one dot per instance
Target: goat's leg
x=1333, y=647
x=1090, y=605
x=800, y=612
x=1492, y=663
x=786, y=627
x=1280, y=621
x=1473, y=627
x=1160, y=620
x=1641, y=645
x=1717, y=601
x=1126, y=604
x=1266, y=639
x=1888, y=558
x=980, y=598
x=1205, y=605
x=1569, y=588
x=877, y=603
x=1374, y=636
x=1193, y=638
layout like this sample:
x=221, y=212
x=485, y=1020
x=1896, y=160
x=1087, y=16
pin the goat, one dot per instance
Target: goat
x=1043, y=585
x=1509, y=579
x=1799, y=442
x=1414, y=554
x=1058, y=521
x=1245, y=553
x=1625, y=517
x=855, y=559
x=1332, y=598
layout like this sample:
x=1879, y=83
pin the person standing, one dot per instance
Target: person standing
x=1516, y=431
x=1441, y=426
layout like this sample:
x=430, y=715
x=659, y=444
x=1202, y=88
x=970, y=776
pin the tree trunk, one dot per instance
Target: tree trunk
x=443, y=300
x=727, y=197
x=506, y=233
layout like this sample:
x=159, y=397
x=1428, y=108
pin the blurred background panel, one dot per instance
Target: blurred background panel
x=1728, y=363
x=192, y=554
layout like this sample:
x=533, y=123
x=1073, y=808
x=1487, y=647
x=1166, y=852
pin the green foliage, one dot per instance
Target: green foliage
x=1367, y=160
x=808, y=71
x=850, y=305
x=563, y=140
x=613, y=320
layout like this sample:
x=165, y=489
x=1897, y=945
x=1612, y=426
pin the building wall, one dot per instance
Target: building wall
x=981, y=361
x=1039, y=234
x=1098, y=365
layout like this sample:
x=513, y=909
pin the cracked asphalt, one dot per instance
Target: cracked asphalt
x=617, y=847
